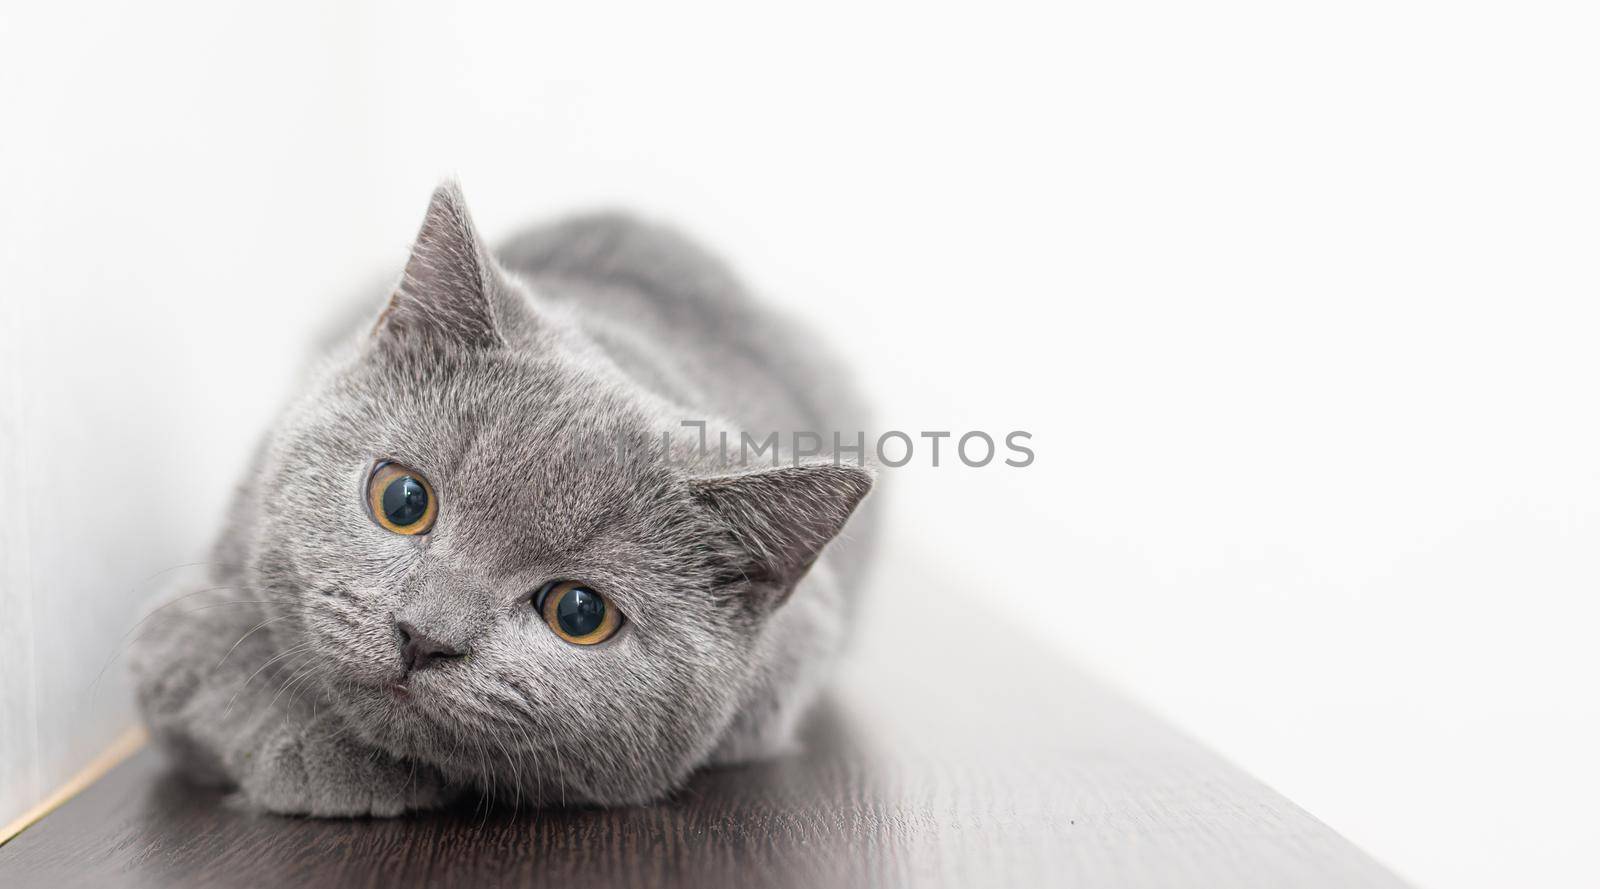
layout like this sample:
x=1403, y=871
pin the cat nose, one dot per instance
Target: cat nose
x=418, y=650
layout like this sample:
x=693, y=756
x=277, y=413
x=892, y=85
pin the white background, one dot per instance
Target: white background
x=1299, y=304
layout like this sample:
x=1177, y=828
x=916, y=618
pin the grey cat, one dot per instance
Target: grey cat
x=433, y=581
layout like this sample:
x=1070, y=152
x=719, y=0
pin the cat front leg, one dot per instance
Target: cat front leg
x=231, y=704
x=313, y=767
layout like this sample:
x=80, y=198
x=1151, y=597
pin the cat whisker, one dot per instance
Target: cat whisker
x=298, y=649
x=248, y=634
x=127, y=643
x=560, y=767
x=214, y=589
x=516, y=772
x=486, y=798
x=299, y=675
x=134, y=590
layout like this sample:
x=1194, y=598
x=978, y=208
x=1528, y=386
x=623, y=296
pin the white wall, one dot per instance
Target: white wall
x=180, y=206
x=1299, y=305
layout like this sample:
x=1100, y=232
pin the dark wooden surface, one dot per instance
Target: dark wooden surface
x=955, y=752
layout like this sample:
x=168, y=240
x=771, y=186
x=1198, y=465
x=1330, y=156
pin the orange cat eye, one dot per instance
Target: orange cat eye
x=577, y=613
x=401, y=500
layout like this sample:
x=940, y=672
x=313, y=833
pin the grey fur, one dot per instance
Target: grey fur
x=274, y=676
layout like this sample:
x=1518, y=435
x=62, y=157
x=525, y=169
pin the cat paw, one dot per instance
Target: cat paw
x=315, y=771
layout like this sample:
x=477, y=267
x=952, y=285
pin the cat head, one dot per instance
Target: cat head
x=494, y=562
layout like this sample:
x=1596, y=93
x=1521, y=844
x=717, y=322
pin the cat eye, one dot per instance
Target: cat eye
x=400, y=499
x=577, y=613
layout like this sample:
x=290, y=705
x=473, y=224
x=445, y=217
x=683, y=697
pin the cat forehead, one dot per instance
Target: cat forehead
x=560, y=490
x=516, y=398
x=527, y=444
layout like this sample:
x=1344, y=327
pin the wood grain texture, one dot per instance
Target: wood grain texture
x=953, y=753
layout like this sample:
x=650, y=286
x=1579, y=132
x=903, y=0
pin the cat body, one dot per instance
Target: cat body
x=355, y=652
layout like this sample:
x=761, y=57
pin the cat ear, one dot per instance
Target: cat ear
x=446, y=295
x=778, y=521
